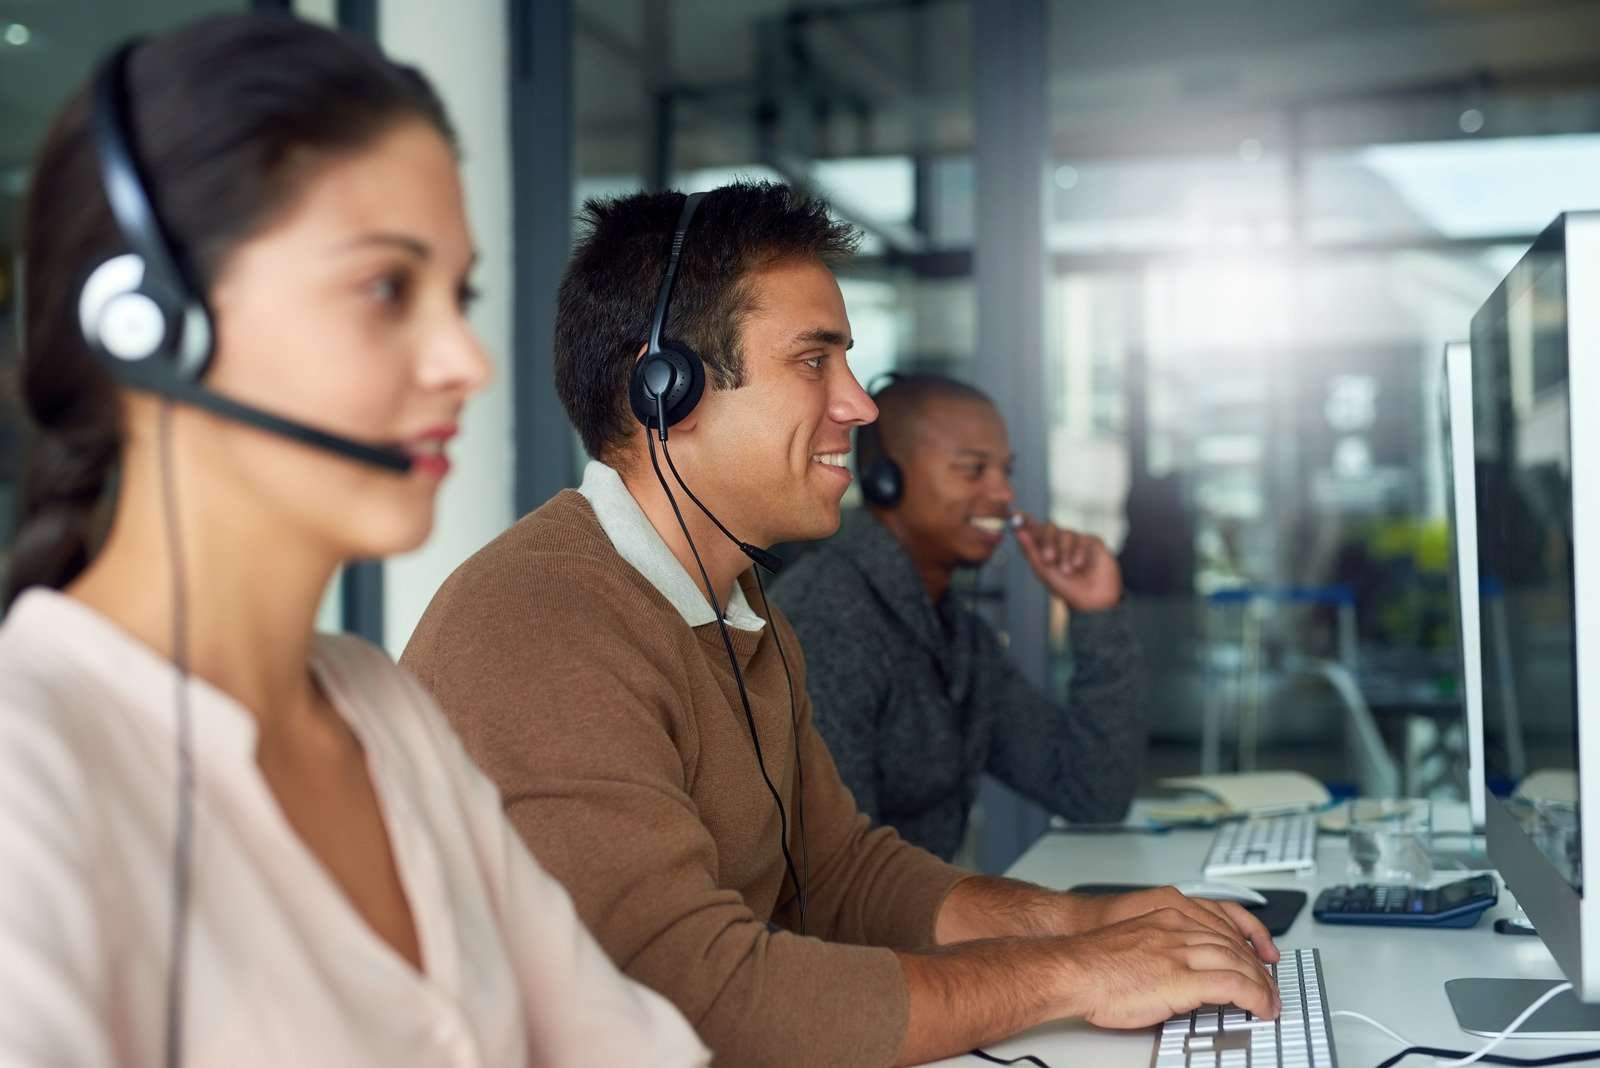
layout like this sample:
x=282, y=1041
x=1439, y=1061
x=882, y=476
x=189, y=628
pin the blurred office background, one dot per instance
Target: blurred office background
x=1204, y=253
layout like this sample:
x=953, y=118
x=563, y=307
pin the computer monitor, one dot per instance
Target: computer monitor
x=1536, y=384
x=1455, y=397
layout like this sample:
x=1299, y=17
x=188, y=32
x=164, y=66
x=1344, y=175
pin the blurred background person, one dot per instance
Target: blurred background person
x=912, y=690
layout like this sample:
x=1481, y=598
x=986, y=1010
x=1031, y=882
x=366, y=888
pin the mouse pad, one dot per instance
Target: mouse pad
x=1277, y=915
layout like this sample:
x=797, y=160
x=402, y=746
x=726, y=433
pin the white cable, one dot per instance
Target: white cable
x=1373, y=1023
x=1482, y=1051
x=1560, y=988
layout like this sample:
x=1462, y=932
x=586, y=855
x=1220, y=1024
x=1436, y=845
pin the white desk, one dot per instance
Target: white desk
x=1394, y=974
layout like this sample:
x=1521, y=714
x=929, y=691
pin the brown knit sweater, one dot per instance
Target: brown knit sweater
x=615, y=734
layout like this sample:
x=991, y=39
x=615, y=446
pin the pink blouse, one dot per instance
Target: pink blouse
x=281, y=968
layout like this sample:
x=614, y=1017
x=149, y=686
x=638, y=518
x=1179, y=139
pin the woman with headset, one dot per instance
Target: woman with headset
x=225, y=839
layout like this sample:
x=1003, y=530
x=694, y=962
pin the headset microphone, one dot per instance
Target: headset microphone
x=388, y=458
x=769, y=560
x=141, y=312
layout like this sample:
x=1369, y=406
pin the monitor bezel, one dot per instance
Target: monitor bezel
x=1461, y=477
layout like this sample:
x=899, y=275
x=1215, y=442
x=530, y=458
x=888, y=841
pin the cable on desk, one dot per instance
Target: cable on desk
x=1369, y=1021
x=1511, y=1028
x=1483, y=1052
x=1026, y=1058
x=1492, y=1058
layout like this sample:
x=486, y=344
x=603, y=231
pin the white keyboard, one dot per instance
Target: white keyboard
x=1264, y=843
x=1222, y=1036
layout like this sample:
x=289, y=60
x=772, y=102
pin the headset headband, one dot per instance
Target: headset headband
x=664, y=297
x=125, y=182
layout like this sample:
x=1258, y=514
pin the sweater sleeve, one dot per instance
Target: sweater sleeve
x=1080, y=760
x=52, y=961
x=579, y=727
x=865, y=884
x=846, y=703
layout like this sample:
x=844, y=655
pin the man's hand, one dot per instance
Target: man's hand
x=1148, y=969
x=1223, y=917
x=1013, y=955
x=1078, y=568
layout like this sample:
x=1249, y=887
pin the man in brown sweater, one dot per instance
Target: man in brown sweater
x=583, y=665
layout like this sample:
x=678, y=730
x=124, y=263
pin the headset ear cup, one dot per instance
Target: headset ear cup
x=117, y=318
x=881, y=483
x=678, y=373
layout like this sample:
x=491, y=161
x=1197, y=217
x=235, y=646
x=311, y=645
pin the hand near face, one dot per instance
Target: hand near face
x=1078, y=568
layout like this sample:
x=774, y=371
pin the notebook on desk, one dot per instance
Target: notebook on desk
x=1252, y=793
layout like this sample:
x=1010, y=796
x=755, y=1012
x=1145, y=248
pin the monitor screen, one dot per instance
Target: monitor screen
x=1525, y=556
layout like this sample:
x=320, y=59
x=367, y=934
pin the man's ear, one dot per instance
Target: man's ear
x=687, y=424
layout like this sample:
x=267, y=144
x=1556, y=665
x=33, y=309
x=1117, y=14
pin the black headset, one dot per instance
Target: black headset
x=142, y=312
x=667, y=382
x=882, y=482
x=670, y=377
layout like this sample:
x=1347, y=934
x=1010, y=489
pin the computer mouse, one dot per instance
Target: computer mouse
x=1220, y=892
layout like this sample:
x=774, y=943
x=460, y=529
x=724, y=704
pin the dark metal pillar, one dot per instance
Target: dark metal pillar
x=542, y=101
x=361, y=583
x=1011, y=115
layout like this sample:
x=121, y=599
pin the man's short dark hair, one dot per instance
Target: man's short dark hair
x=609, y=289
x=900, y=410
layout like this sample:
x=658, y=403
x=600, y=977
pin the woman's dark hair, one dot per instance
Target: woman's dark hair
x=609, y=290
x=229, y=118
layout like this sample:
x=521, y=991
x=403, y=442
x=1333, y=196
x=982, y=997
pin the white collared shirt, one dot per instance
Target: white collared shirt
x=637, y=542
x=281, y=969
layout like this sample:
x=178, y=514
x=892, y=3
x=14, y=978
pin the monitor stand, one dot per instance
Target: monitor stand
x=1487, y=1007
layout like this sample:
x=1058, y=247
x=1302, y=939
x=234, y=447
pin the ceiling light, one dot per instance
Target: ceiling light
x=1250, y=150
x=17, y=34
x=1471, y=121
x=1066, y=176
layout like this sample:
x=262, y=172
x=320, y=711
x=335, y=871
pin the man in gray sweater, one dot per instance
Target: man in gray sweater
x=912, y=691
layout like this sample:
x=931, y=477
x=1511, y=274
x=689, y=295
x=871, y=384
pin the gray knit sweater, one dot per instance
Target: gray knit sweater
x=916, y=700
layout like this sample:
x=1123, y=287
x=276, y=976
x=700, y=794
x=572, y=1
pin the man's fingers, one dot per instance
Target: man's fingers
x=1039, y=545
x=1202, y=923
x=1088, y=546
x=1230, y=986
x=1246, y=925
x=1212, y=959
x=1068, y=546
x=1208, y=914
x=1217, y=909
x=1253, y=929
x=1049, y=543
x=1031, y=547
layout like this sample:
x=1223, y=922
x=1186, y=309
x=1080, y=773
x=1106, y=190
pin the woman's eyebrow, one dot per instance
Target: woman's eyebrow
x=413, y=245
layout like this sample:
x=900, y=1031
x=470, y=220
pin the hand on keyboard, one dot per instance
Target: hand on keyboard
x=1144, y=970
x=1223, y=917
